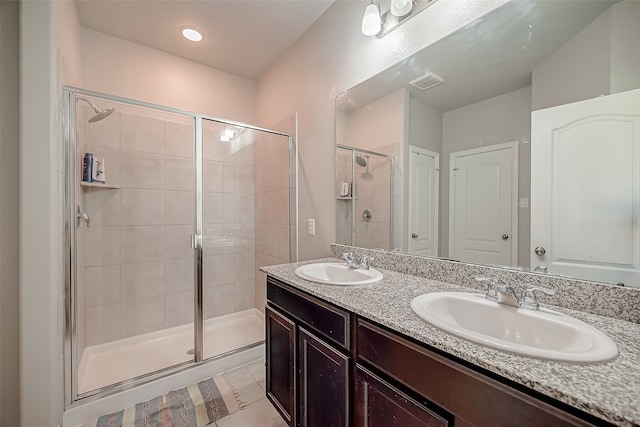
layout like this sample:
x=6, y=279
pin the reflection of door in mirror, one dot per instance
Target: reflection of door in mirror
x=423, y=201
x=363, y=214
x=586, y=164
x=483, y=205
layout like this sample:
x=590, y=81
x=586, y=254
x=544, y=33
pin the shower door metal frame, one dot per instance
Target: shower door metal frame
x=355, y=189
x=70, y=180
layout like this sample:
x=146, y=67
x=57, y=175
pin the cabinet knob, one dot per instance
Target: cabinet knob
x=414, y=236
x=505, y=237
x=539, y=250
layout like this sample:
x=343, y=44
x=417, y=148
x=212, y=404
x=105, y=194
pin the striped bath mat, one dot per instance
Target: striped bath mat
x=193, y=406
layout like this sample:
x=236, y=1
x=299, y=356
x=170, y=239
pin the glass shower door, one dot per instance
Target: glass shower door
x=134, y=275
x=245, y=193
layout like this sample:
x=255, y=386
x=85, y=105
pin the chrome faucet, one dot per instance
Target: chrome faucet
x=353, y=261
x=505, y=294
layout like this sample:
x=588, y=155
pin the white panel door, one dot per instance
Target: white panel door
x=483, y=211
x=585, y=188
x=423, y=201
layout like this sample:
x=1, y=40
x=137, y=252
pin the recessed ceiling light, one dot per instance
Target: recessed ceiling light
x=190, y=33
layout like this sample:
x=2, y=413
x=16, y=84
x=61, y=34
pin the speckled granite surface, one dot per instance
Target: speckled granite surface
x=610, y=391
x=597, y=298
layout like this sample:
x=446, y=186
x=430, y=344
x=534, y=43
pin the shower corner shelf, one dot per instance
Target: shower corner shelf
x=98, y=185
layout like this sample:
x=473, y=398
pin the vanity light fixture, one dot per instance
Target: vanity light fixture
x=380, y=22
x=191, y=33
x=401, y=7
x=371, y=21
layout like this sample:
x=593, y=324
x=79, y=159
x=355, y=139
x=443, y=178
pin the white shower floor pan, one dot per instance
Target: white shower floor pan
x=110, y=363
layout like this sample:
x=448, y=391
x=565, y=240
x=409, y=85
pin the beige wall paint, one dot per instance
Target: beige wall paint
x=329, y=58
x=9, y=138
x=118, y=67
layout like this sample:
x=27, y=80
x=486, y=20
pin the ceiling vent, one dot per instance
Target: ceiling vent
x=427, y=81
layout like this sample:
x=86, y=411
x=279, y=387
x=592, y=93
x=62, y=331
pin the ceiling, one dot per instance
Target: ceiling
x=242, y=37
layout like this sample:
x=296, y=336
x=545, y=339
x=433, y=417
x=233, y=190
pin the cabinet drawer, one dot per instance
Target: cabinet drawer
x=328, y=321
x=379, y=404
x=470, y=396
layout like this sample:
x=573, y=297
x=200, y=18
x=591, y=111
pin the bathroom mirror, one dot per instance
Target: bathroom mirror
x=465, y=111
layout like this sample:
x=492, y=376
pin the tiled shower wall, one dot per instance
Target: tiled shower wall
x=272, y=207
x=139, y=267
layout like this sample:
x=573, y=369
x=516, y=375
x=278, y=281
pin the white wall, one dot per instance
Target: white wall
x=40, y=221
x=625, y=53
x=503, y=118
x=601, y=59
x=9, y=138
x=118, y=67
x=329, y=58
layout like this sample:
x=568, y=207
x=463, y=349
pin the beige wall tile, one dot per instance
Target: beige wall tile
x=102, y=246
x=179, y=207
x=229, y=178
x=212, y=176
x=141, y=170
x=218, y=270
x=178, y=139
x=141, y=207
x=102, y=285
x=142, y=243
x=219, y=301
x=178, y=275
x=178, y=309
x=143, y=315
x=178, y=241
x=103, y=324
x=102, y=205
x=142, y=279
x=245, y=179
x=180, y=174
x=139, y=133
x=245, y=208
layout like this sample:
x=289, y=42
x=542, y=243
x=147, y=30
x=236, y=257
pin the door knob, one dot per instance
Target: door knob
x=505, y=237
x=414, y=236
x=539, y=250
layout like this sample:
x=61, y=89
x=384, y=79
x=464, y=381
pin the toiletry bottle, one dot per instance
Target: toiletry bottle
x=87, y=167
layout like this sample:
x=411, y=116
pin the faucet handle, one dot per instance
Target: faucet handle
x=492, y=294
x=529, y=299
x=365, y=262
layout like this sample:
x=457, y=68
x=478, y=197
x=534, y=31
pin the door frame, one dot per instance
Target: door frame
x=511, y=145
x=436, y=156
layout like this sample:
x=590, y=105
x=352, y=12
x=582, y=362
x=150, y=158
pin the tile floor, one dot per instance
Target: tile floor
x=249, y=383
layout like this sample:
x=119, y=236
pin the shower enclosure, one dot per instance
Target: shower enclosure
x=169, y=213
x=364, y=204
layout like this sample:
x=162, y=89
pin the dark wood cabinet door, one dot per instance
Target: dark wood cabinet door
x=281, y=363
x=324, y=383
x=379, y=404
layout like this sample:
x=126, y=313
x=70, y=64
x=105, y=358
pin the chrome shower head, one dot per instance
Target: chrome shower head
x=362, y=161
x=100, y=114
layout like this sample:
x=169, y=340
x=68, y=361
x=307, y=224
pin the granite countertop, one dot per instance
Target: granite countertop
x=610, y=391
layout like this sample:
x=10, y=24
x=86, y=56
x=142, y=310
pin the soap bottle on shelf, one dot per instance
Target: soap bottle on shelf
x=87, y=167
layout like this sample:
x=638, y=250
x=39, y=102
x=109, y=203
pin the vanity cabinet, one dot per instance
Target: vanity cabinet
x=307, y=358
x=327, y=367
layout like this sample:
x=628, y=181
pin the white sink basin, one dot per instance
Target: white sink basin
x=337, y=274
x=543, y=334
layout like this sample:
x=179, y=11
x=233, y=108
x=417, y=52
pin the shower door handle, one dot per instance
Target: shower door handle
x=82, y=216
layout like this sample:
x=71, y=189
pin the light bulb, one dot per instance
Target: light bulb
x=192, y=34
x=401, y=7
x=371, y=24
